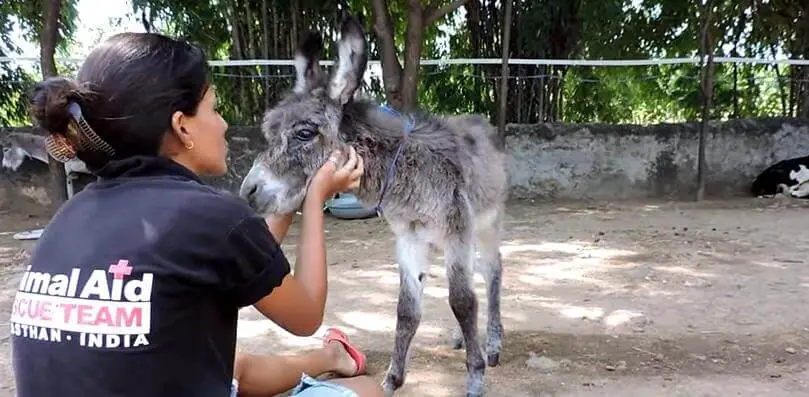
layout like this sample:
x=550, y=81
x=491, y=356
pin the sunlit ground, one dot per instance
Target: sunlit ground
x=703, y=299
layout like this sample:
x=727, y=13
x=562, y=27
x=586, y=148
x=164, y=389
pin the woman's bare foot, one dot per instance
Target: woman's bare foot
x=348, y=360
x=343, y=363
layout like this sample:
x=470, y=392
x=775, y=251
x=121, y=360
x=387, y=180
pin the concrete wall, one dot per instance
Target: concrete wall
x=25, y=188
x=565, y=161
x=628, y=161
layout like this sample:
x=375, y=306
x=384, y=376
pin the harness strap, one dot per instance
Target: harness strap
x=410, y=124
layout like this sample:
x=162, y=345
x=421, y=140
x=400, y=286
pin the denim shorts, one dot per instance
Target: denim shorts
x=310, y=387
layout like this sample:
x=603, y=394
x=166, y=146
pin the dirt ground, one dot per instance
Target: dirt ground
x=602, y=299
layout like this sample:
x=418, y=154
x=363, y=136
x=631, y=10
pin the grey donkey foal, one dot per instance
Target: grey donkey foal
x=440, y=182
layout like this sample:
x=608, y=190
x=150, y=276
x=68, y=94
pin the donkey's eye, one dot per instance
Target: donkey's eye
x=305, y=134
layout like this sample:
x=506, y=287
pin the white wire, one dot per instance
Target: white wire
x=484, y=61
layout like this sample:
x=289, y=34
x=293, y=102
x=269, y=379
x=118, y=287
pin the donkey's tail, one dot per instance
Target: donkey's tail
x=477, y=126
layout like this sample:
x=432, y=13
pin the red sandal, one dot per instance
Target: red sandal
x=334, y=334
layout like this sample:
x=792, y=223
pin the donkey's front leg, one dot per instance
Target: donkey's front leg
x=411, y=253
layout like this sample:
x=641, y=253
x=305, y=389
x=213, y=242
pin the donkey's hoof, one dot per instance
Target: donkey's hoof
x=474, y=382
x=456, y=339
x=387, y=391
x=391, y=383
x=474, y=393
x=493, y=359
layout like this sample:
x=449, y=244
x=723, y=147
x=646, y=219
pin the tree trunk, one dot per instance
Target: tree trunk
x=735, y=90
x=543, y=83
x=780, y=83
x=265, y=53
x=707, y=47
x=553, y=94
x=48, y=40
x=560, y=106
x=473, y=19
x=275, y=50
x=391, y=68
x=414, y=41
x=401, y=84
x=735, y=53
x=252, y=52
x=274, y=29
x=802, y=99
x=236, y=52
x=501, y=120
x=294, y=14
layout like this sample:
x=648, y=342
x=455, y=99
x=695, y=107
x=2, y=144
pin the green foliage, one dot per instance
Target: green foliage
x=15, y=83
x=15, y=88
x=575, y=29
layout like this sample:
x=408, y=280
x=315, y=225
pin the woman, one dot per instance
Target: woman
x=135, y=285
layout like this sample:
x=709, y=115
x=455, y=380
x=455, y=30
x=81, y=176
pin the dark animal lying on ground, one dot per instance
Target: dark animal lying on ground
x=789, y=177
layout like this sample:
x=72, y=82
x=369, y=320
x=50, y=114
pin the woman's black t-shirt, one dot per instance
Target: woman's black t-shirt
x=135, y=285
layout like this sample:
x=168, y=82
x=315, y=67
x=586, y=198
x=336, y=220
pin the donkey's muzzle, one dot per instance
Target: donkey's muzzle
x=260, y=190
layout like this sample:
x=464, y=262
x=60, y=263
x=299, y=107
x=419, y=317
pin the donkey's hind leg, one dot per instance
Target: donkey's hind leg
x=491, y=267
x=464, y=304
x=412, y=255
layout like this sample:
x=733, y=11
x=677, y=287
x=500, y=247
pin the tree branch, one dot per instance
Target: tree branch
x=434, y=12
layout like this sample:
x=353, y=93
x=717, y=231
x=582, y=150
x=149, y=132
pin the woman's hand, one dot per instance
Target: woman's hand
x=331, y=179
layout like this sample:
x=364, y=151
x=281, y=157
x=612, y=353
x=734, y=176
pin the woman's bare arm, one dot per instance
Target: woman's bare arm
x=308, y=286
x=279, y=225
x=298, y=303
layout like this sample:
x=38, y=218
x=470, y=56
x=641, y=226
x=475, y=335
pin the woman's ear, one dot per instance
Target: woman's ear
x=178, y=128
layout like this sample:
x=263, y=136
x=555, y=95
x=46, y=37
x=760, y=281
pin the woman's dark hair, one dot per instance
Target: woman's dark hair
x=127, y=88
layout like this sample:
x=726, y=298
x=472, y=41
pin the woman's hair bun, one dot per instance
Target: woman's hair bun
x=49, y=105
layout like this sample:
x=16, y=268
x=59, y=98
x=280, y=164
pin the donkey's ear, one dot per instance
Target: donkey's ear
x=351, y=61
x=309, y=75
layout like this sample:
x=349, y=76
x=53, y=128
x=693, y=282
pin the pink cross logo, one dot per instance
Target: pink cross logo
x=121, y=269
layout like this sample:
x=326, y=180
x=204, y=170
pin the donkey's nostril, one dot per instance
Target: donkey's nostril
x=252, y=191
